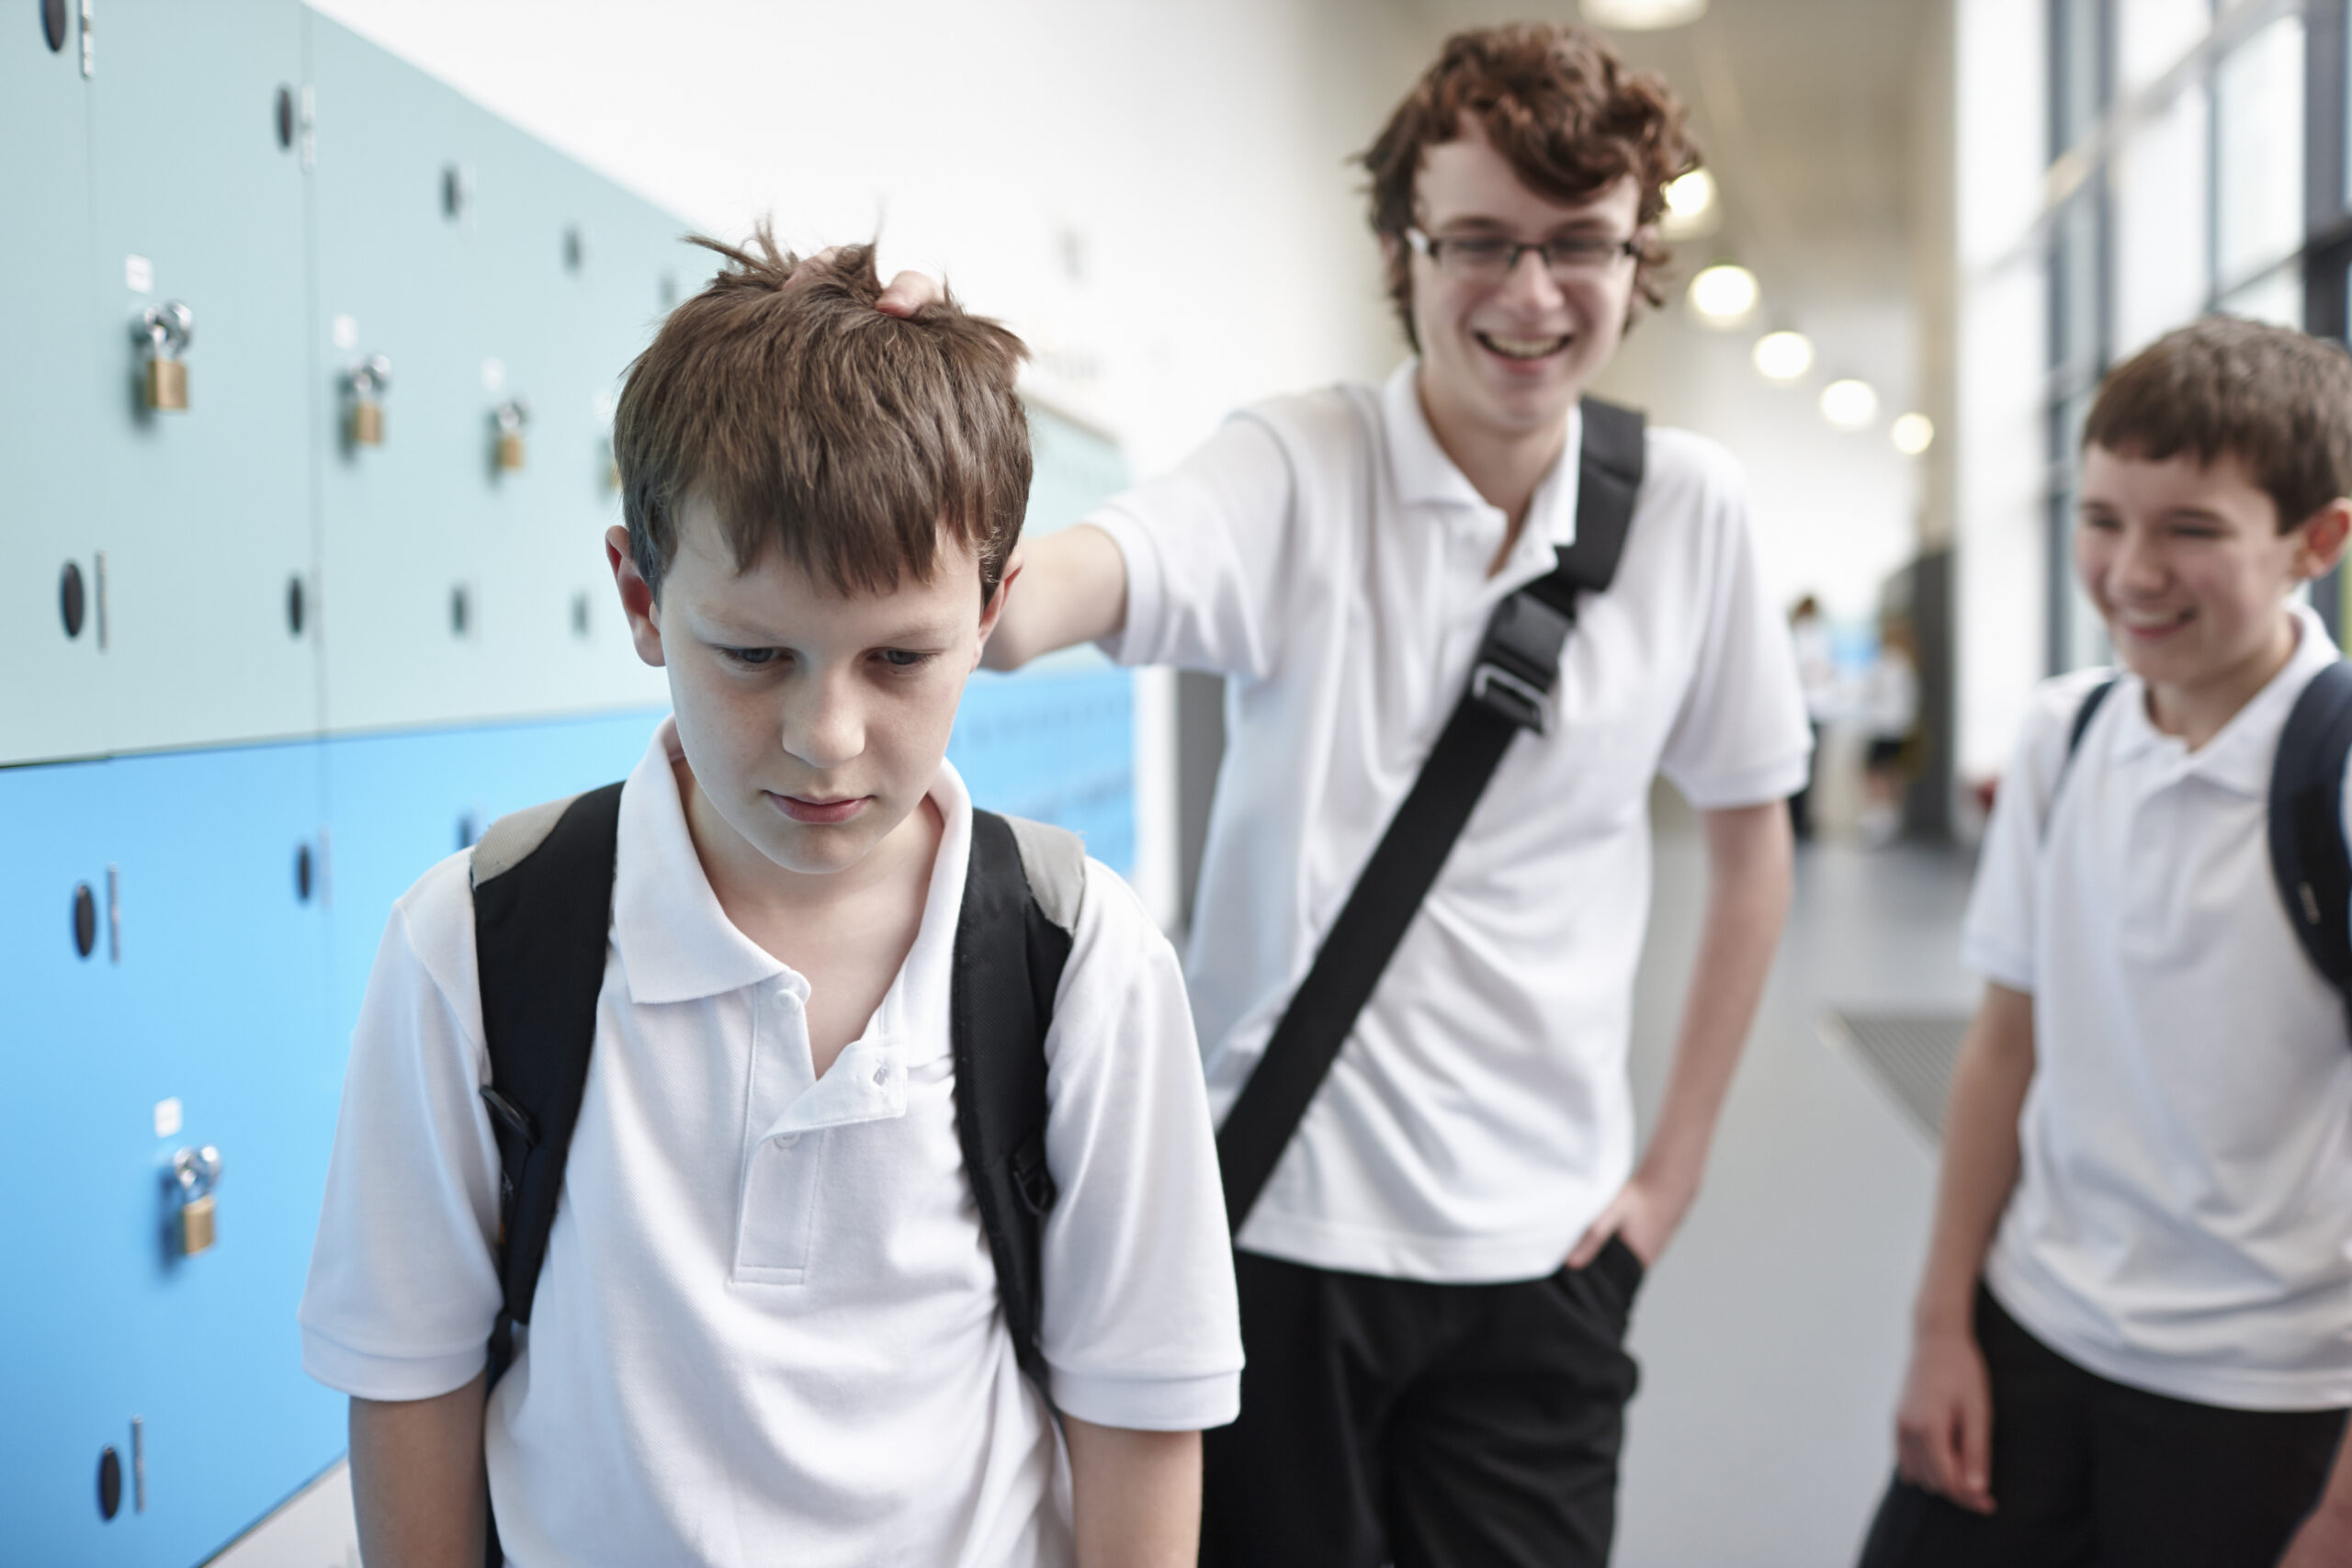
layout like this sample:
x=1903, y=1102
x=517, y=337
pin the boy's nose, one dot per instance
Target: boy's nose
x=1531, y=285
x=823, y=728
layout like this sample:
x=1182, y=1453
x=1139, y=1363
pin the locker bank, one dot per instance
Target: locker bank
x=313, y=366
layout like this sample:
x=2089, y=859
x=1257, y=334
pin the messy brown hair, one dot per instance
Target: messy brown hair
x=1560, y=107
x=2278, y=400
x=812, y=423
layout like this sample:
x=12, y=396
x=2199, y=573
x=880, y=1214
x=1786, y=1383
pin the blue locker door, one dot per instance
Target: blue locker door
x=207, y=513
x=47, y=402
x=224, y=975
x=86, y=1223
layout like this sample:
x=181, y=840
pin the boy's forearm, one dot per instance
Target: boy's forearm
x=1134, y=1497
x=1749, y=852
x=417, y=1483
x=1980, y=1162
x=1071, y=588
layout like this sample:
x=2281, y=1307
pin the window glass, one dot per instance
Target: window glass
x=2077, y=636
x=2153, y=35
x=2077, y=303
x=2259, y=152
x=2276, y=295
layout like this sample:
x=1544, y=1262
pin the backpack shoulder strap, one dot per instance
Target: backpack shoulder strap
x=1022, y=895
x=2080, y=727
x=2307, y=851
x=543, y=913
x=1609, y=478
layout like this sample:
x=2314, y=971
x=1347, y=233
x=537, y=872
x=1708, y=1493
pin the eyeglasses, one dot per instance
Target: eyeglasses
x=1490, y=258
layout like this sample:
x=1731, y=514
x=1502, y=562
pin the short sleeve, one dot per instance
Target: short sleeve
x=1210, y=550
x=1140, y=1326
x=1741, y=737
x=1999, y=936
x=403, y=1283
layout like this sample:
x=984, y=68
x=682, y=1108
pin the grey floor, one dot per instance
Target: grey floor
x=1771, y=1335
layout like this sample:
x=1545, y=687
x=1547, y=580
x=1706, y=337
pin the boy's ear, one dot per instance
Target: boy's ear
x=993, y=611
x=637, y=601
x=2324, y=534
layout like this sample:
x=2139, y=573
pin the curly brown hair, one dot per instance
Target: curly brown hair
x=1561, y=107
x=855, y=442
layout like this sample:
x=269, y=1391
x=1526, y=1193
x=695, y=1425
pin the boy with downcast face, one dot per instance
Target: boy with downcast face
x=767, y=1328
x=2133, y=1340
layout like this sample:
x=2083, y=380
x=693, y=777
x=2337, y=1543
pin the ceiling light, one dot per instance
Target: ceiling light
x=1642, y=16
x=1723, y=294
x=1848, y=404
x=1913, y=434
x=1690, y=205
x=1784, y=356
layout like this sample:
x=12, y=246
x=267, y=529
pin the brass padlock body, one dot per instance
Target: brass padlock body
x=510, y=451
x=366, y=424
x=167, y=385
x=196, y=1224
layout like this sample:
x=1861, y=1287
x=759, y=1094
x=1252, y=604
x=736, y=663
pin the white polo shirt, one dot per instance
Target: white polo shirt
x=768, y=1330
x=1325, y=554
x=2182, y=1220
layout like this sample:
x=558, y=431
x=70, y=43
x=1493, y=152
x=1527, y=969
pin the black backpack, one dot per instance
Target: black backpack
x=2308, y=858
x=543, y=902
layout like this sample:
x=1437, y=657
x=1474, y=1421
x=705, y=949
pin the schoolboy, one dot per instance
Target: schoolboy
x=1436, y=1280
x=2132, y=1344
x=767, y=1327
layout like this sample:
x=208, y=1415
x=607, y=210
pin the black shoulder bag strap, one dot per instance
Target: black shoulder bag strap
x=542, y=915
x=1517, y=665
x=2307, y=850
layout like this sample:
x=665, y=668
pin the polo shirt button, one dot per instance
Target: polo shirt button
x=881, y=1077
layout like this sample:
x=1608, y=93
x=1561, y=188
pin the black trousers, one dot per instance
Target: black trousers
x=1398, y=1421
x=2088, y=1471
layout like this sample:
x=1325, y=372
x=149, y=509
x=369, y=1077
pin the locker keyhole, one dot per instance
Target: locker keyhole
x=460, y=610
x=72, y=602
x=286, y=117
x=580, y=615
x=85, y=921
x=302, y=872
x=575, y=250
x=52, y=24
x=110, y=1483
x=294, y=606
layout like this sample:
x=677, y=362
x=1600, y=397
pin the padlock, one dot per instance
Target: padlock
x=511, y=417
x=168, y=385
x=165, y=330
x=196, y=1172
x=196, y=1226
x=368, y=381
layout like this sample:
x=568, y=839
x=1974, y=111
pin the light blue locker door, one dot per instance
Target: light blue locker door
x=408, y=528
x=207, y=513
x=581, y=293
x=48, y=519
x=86, y=1224
x=223, y=973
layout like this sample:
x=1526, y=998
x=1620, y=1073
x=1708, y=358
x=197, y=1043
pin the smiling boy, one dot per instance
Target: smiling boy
x=768, y=1328
x=2133, y=1340
x=1437, y=1270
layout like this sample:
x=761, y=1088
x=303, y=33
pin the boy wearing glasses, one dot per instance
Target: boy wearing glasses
x=1436, y=1274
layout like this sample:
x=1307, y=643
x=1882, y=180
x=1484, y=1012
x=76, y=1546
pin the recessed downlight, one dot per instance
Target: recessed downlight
x=1643, y=16
x=1723, y=294
x=1912, y=434
x=1784, y=356
x=1849, y=404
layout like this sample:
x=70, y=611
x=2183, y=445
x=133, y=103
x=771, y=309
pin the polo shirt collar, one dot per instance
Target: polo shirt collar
x=1424, y=475
x=2239, y=757
x=676, y=943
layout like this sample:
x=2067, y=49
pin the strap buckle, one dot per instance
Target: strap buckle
x=1501, y=691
